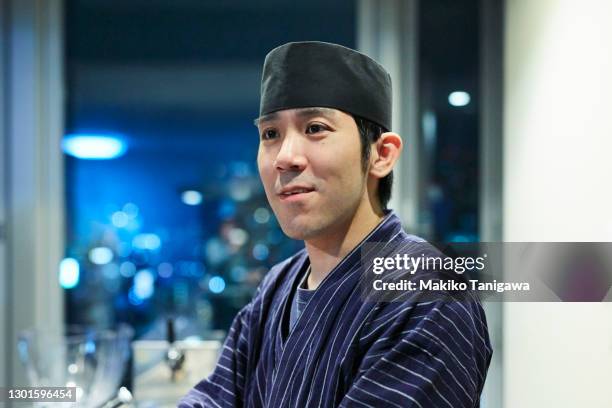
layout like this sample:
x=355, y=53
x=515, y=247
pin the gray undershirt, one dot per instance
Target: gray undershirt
x=300, y=299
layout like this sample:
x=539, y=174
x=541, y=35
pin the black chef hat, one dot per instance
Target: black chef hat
x=319, y=74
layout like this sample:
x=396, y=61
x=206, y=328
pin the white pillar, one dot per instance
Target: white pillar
x=32, y=103
x=3, y=264
x=490, y=183
x=387, y=30
x=557, y=169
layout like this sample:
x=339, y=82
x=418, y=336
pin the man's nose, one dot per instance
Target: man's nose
x=290, y=157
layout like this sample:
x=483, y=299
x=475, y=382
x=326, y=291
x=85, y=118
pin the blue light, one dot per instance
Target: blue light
x=459, y=98
x=101, y=255
x=131, y=210
x=143, y=284
x=151, y=242
x=165, y=270
x=133, y=299
x=260, y=252
x=88, y=146
x=261, y=215
x=120, y=219
x=240, y=169
x=127, y=269
x=216, y=284
x=191, y=197
x=69, y=273
x=90, y=347
x=216, y=251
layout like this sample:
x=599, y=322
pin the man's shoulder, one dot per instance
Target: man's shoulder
x=400, y=244
x=414, y=243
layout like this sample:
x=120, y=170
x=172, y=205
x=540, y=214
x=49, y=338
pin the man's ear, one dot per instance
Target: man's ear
x=385, y=152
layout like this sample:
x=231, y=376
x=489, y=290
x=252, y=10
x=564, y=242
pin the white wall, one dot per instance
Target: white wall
x=558, y=187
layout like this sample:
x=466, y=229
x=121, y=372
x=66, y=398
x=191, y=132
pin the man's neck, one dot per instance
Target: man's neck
x=327, y=252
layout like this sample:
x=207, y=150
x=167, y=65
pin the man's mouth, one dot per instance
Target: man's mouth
x=294, y=192
x=299, y=191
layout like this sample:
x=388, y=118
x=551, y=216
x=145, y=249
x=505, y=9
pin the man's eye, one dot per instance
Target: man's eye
x=269, y=134
x=315, y=128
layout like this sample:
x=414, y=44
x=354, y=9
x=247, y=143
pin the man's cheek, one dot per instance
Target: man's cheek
x=269, y=190
x=266, y=180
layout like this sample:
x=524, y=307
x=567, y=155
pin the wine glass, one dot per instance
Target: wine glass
x=91, y=360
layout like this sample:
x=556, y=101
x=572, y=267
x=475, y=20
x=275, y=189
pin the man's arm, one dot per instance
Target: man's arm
x=433, y=354
x=225, y=386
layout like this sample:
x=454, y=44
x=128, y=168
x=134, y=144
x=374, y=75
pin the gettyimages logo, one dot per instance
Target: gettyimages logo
x=510, y=271
x=423, y=263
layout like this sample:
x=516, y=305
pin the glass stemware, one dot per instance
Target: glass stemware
x=91, y=360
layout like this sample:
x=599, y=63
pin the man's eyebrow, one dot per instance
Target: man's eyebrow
x=309, y=112
x=301, y=113
x=265, y=118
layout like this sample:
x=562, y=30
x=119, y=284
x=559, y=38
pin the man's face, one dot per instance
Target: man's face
x=309, y=160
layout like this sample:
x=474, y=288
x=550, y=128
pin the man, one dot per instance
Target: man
x=309, y=337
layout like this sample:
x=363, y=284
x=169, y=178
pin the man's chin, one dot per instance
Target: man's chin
x=294, y=233
x=298, y=229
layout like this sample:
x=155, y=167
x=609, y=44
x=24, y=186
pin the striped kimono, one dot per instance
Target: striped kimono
x=344, y=351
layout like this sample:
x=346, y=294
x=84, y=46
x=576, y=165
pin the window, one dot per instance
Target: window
x=173, y=220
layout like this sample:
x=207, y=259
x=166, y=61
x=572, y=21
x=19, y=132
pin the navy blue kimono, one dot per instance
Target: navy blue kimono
x=344, y=351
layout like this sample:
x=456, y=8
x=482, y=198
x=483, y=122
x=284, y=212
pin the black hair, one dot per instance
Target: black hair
x=369, y=132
